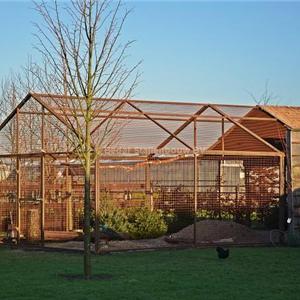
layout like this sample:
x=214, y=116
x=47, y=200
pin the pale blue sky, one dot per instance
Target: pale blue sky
x=193, y=51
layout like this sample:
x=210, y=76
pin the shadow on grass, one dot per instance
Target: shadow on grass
x=95, y=277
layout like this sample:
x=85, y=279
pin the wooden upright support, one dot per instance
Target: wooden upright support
x=222, y=137
x=148, y=189
x=195, y=182
x=282, y=194
x=69, y=208
x=18, y=171
x=42, y=182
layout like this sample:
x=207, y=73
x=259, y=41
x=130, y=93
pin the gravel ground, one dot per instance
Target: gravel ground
x=117, y=245
x=207, y=232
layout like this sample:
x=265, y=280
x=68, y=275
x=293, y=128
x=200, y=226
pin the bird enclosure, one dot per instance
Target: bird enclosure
x=201, y=160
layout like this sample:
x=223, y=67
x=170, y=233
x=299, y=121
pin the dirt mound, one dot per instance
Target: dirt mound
x=215, y=231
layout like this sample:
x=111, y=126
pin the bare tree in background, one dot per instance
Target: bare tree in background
x=266, y=98
x=12, y=91
x=80, y=43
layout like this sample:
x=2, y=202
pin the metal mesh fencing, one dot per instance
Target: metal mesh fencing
x=8, y=195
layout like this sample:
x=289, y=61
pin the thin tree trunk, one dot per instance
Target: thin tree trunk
x=87, y=220
x=87, y=205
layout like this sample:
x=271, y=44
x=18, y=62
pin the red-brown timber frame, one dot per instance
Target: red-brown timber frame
x=137, y=114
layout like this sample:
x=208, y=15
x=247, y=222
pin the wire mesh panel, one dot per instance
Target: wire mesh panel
x=30, y=198
x=245, y=189
x=123, y=184
x=77, y=193
x=64, y=195
x=56, y=196
x=8, y=188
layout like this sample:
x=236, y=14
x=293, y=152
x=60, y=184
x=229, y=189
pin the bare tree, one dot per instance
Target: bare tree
x=12, y=90
x=267, y=97
x=85, y=58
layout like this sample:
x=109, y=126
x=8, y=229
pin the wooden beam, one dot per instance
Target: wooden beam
x=12, y=114
x=18, y=170
x=42, y=200
x=140, y=101
x=243, y=128
x=42, y=183
x=53, y=112
x=123, y=115
x=183, y=126
x=282, y=195
x=159, y=125
x=195, y=183
x=240, y=153
x=222, y=137
x=107, y=117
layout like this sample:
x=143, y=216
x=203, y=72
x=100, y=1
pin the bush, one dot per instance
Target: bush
x=206, y=214
x=143, y=223
x=114, y=218
x=138, y=223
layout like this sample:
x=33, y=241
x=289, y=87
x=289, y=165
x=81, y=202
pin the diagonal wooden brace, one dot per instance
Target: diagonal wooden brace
x=184, y=125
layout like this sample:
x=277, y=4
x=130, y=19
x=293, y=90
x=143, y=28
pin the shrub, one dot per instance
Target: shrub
x=138, y=223
x=114, y=218
x=169, y=216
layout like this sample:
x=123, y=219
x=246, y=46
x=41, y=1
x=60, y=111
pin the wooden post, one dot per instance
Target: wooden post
x=69, y=210
x=18, y=171
x=195, y=182
x=97, y=207
x=222, y=137
x=42, y=182
x=237, y=199
x=220, y=183
x=282, y=194
x=42, y=199
x=148, y=190
x=289, y=181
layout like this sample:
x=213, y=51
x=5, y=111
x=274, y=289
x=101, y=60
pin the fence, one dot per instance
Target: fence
x=244, y=189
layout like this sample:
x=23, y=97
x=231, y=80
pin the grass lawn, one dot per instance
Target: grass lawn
x=249, y=273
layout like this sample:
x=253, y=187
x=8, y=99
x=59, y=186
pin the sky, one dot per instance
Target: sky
x=192, y=51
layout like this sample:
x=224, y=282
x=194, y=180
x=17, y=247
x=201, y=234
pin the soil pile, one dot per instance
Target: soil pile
x=215, y=231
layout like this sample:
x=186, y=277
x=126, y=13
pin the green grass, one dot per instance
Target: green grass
x=249, y=273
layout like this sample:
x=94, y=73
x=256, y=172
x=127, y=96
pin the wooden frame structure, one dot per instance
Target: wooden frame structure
x=183, y=138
